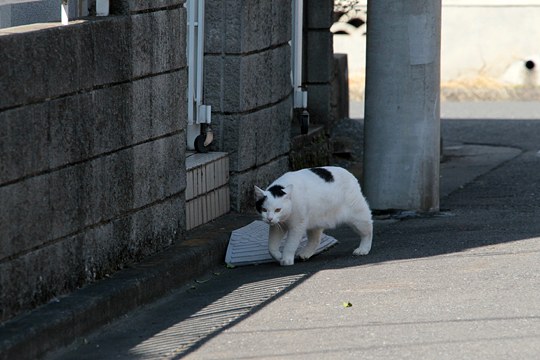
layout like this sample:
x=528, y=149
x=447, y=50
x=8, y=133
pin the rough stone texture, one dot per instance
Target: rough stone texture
x=319, y=62
x=281, y=21
x=155, y=116
x=63, y=60
x=340, y=86
x=319, y=14
x=242, y=83
x=109, y=63
x=23, y=141
x=280, y=63
x=310, y=150
x=158, y=41
x=320, y=65
x=319, y=104
x=254, y=138
x=51, y=134
x=49, y=73
x=240, y=26
x=272, y=139
x=248, y=84
x=87, y=256
x=92, y=149
x=74, y=199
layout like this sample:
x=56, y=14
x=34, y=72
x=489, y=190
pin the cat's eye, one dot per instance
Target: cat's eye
x=264, y=210
x=277, y=210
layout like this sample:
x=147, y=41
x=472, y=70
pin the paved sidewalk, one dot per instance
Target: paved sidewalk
x=460, y=285
x=463, y=284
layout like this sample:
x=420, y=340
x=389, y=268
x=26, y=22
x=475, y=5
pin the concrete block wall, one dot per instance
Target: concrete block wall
x=92, y=148
x=248, y=84
x=319, y=61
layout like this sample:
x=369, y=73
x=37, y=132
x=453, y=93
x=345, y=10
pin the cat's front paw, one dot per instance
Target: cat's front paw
x=361, y=251
x=287, y=261
x=276, y=255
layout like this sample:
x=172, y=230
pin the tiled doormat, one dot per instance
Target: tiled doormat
x=249, y=245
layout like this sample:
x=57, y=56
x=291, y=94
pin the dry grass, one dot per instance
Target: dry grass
x=484, y=88
x=477, y=88
x=356, y=87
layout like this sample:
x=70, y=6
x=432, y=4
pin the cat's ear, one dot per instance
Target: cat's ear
x=259, y=193
x=288, y=190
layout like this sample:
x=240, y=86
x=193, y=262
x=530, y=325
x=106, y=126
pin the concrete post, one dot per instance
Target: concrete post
x=402, y=116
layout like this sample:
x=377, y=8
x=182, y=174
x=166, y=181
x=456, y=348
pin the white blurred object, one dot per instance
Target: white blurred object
x=523, y=72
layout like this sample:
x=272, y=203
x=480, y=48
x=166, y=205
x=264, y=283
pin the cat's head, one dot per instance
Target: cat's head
x=274, y=204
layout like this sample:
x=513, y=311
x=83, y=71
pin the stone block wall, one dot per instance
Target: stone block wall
x=92, y=148
x=248, y=84
x=319, y=61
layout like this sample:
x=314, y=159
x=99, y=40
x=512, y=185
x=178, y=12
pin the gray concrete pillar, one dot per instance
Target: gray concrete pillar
x=402, y=117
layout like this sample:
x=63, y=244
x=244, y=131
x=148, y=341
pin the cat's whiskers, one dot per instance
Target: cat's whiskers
x=278, y=224
x=281, y=227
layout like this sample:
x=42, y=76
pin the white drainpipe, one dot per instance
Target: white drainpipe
x=198, y=113
x=300, y=95
x=64, y=12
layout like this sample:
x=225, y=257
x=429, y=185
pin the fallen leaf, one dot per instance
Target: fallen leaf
x=347, y=304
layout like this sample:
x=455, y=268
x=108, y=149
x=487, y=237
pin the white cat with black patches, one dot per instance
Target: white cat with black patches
x=307, y=202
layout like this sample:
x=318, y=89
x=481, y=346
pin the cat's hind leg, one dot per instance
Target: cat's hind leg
x=314, y=238
x=275, y=235
x=364, y=228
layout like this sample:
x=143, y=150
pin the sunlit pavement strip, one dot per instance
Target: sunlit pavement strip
x=182, y=336
x=249, y=245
